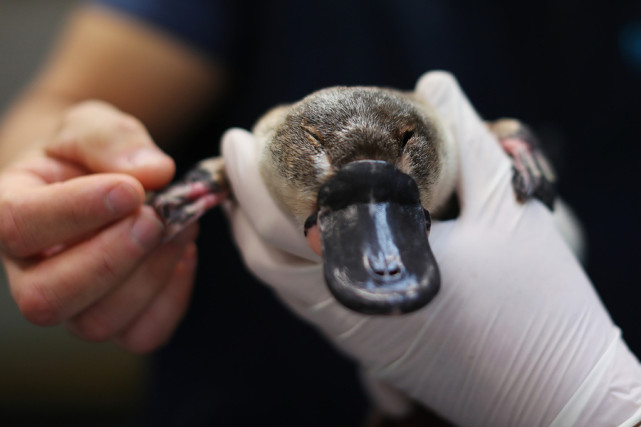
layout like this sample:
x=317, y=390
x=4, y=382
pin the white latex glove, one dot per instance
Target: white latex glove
x=516, y=335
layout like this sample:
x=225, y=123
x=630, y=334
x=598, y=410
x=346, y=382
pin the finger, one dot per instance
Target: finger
x=155, y=326
x=241, y=165
x=35, y=219
x=61, y=286
x=110, y=315
x=483, y=164
x=103, y=139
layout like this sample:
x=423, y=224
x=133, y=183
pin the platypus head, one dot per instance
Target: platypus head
x=364, y=167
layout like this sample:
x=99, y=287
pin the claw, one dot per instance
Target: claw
x=533, y=174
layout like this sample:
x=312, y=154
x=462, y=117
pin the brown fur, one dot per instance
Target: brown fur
x=304, y=144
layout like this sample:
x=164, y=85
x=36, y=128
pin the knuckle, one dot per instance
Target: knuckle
x=37, y=307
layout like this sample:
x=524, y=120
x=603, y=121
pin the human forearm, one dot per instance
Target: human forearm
x=109, y=57
x=112, y=57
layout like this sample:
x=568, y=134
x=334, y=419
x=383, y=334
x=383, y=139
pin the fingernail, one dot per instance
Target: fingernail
x=122, y=199
x=147, y=231
x=146, y=157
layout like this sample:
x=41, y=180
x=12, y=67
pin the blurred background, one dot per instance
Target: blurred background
x=576, y=70
x=47, y=376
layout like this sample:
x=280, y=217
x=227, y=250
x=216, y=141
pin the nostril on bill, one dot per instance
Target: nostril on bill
x=384, y=267
x=391, y=271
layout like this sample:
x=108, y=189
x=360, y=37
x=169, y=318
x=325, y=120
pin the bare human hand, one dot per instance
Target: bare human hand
x=79, y=246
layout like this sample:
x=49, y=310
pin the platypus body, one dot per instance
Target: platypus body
x=365, y=168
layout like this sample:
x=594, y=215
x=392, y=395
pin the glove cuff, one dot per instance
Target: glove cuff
x=610, y=394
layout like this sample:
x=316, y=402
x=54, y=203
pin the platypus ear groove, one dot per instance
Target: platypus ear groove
x=405, y=138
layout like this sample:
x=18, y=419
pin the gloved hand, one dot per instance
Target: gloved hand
x=517, y=334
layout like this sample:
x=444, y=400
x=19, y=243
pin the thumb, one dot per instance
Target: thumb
x=101, y=138
x=483, y=165
x=270, y=222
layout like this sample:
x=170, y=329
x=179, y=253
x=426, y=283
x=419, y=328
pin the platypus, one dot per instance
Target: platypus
x=361, y=170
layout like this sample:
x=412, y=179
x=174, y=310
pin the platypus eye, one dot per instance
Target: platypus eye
x=312, y=133
x=407, y=135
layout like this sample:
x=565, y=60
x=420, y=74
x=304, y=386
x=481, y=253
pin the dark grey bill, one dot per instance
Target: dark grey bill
x=377, y=259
